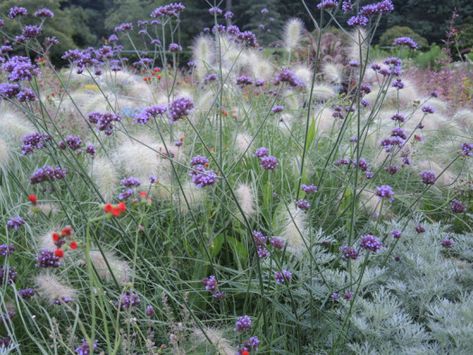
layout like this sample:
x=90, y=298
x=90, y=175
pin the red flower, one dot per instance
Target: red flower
x=122, y=207
x=56, y=237
x=33, y=199
x=108, y=208
x=73, y=245
x=115, y=210
x=59, y=253
x=66, y=231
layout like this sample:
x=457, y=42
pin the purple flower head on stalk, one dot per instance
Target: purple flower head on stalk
x=359, y=20
x=8, y=274
x=173, y=9
x=202, y=177
x=34, y=141
x=262, y=252
x=26, y=95
x=277, y=109
x=9, y=91
x=264, y=11
x=104, y=121
x=16, y=11
x=399, y=132
x=354, y=64
x=277, y=243
x=113, y=38
x=247, y=38
x=335, y=296
x=259, y=237
x=262, y=152
x=210, y=283
x=398, y=117
x=348, y=295
x=467, y=150
x=84, y=348
x=428, y=109
x=378, y=8
x=2, y=23
x=72, y=142
x=149, y=112
x=244, y=81
x=128, y=300
x=420, y=228
x=405, y=41
x=149, y=311
x=20, y=69
x=31, y=31
x=371, y=243
x=91, y=150
x=283, y=276
x=347, y=6
x=26, y=293
x=44, y=13
x=180, y=108
x=288, y=76
x=447, y=243
x=269, y=162
x=130, y=182
x=46, y=259
x=252, y=343
x=174, y=48
x=385, y=191
x=309, y=189
x=348, y=252
x=303, y=204
x=396, y=234
x=428, y=177
x=327, y=4
x=124, y=27
x=6, y=249
x=218, y=295
x=63, y=300
x=243, y=324
x=15, y=223
x=153, y=179
x=457, y=206
x=259, y=83
x=199, y=160
x=392, y=169
x=228, y=15
x=210, y=77
x=362, y=164
x=47, y=173
x=215, y=10
x=398, y=84
x=369, y=174
x=125, y=194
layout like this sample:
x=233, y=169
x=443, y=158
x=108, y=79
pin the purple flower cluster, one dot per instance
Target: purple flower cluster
x=327, y=4
x=283, y=276
x=93, y=58
x=130, y=182
x=31, y=31
x=6, y=249
x=378, y=8
x=26, y=293
x=46, y=259
x=252, y=343
x=199, y=160
x=9, y=91
x=385, y=191
x=262, y=152
x=447, y=243
x=173, y=9
x=348, y=252
x=214, y=10
x=48, y=173
x=405, y=41
x=8, y=274
x=288, y=76
x=428, y=177
x=174, y=48
x=90, y=149
x=84, y=348
x=347, y=6
x=467, y=150
x=371, y=243
x=15, y=223
x=358, y=20
x=303, y=204
x=63, y=300
x=34, y=141
x=202, y=177
x=399, y=117
x=243, y=324
x=150, y=112
x=149, y=311
x=180, y=108
x=124, y=27
x=16, y=11
x=20, y=69
x=277, y=243
x=269, y=162
x=309, y=189
x=396, y=234
x=44, y=13
x=428, y=109
x=277, y=109
x=211, y=285
x=72, y=142
x=26, y=95
x=457, y=206
x=210, y=77
x=128, y=300
x=244, y=80
x=104, y=121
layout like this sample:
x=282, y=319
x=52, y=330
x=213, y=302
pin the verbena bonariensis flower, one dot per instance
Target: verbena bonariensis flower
x=420, y=228
x=262, y=252
x=398, y=117
x=228, y=15
x=457, y=206
x=130, y=182
x=447, y=243
x=277, y=243
x=26, y=95
x=180, y=108
x=125, y=194
x=128, y=300
x=385, y=191
x=244, y=81
x=303, y=204
x=371, y=243
x=214, y=10
x=378, y=8
x=20, y=69
x=359, y=20
x=347, y=6
x=47, y=258
x=150, y=112
x=288, y=76
x=405, y=41
x=104, y=121
x=202, y=177
x=348, y=252
x=259, y=237
x=398, y=84
x=247, y=38
x=16, y=11
x=48, y=173
x=44, y=12
x=6, y=249
x=26, y=293
x=327, y=4
x=428, y=109
x=63, y=300
x=396, y=234
x=31, y=31
x=9, y=91
x=210, y=77
x=309, y=189
x=174, y=47
x=210, y=283
x=277, y=109
x=467, y=150
x=84, y=348
x=243, y=323
x=34, y=141
x=269, y=162
x=199, y=160
x=7, y=274
x=15, y=223
x=149, y=311
x=124, y=27
x=252, y=343
x=173, y=9
x=262, y=152
x=348, y=295
x=90, y=149
x=283, y=276
x=72, y=142
x=428, y=177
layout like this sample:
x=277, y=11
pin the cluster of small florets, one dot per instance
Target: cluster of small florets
x=457, y=206
x=95, y=59
x=7, y=274
x=267, y=162
x=201, y=176
x=405, y=41
x=150, y=112
x=84, y=348
x=244, y=80
x=211, y=285
x=48, y=173
x=288, y=76
x=359, y=20
x=348, y=252
x=173, y=9
x=467, y=150
x=104, y=121
x=128, y=300
x=26, y=293
x=243, y=324
x=47, y=258
x=428, y=109
x=6, y=249
x=378, y=8
x=309, y=189
x=128, y=183
x=17, y=11
x=20, y=69
x=44, y=13
x=180, y=108
x=283, y=276
x=385, y=191
x=15, y=223
x=347, y=6
x=303, y=204
x=31, y=31
x=371, y=243
x=34, y=141
x=428, y=177
x=72, y=142
x=327, y=4
x=174, y=47
x=123, y=27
